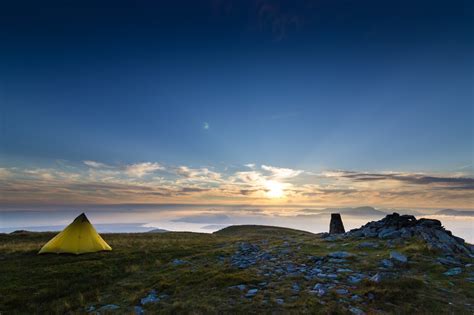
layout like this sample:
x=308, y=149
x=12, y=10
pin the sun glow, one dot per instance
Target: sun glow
x=274, y=189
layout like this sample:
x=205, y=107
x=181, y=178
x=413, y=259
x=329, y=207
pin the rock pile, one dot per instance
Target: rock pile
x=248, y=254
x=406, y=226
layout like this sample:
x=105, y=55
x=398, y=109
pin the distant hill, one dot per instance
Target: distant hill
x=101, y=228
x=362, y=211
x=404, y=211
x=20, y=232
x=455, y=213
x=246, y=230
x=158, y=231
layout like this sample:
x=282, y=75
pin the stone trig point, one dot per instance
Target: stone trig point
x=336, y=226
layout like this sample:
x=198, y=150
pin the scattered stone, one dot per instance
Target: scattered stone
x=368, y=245
x=291, y=268
x=448, y=261
x=240, y=287
x=376, y=278
x=108, y=307
x=179, y=262
x=318, y=286
x=356, y=298
x=251, y=293
x=342, y=291
x=356, y=311
x=356, y=278
x=315, y=258
x=90, y=309
x=398, y=258
x=340, y=255
x=295, y=287
x=344, y=270
x=138, y=310
x=387, y=263
x=163, y=296
x=280, y=301
x=332, y=238
x=453, y=271
x=319, y=289
x=247, y=255
x=150, y=298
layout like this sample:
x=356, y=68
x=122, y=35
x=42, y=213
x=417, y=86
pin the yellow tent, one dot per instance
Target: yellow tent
x=79, y=237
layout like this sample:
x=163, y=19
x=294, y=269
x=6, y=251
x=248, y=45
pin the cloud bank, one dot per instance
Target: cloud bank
x=94, y=182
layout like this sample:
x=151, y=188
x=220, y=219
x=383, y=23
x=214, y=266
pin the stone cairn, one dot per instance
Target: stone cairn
x=336, y=226
x=395, y=226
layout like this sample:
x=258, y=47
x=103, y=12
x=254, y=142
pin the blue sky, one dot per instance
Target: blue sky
x=311, y=86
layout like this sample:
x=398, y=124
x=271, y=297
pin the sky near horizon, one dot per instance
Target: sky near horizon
x=324, y=103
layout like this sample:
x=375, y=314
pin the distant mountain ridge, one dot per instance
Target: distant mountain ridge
x=367, y=211
x=455, y=213
x=358, y=211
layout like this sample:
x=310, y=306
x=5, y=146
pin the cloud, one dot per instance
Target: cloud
x=247, y=192
x=41, y=173
x=414, y=179
x=197, y=173
x=319, y=192
x=95, y=164
x=142, y=169
x=206, y=126
x=250, y=165
x=280, y=173
x=190, y=190
x=5, y=173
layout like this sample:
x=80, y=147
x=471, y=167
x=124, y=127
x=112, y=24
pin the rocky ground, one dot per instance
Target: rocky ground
x=395, y=265
x=336, y=272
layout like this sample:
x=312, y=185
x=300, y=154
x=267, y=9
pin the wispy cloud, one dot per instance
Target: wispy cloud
x=95, y=164
x=4, y=173
x=142, y=169
x=197, y=173
x=410, y=178
x=279, y=172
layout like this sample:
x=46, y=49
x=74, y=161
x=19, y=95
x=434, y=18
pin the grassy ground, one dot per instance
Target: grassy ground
x=49, y=284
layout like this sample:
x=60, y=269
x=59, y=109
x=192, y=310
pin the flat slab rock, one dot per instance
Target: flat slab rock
x=397, y=257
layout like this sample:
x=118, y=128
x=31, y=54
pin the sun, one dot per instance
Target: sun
x=274, y=189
